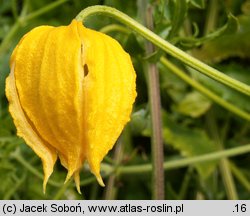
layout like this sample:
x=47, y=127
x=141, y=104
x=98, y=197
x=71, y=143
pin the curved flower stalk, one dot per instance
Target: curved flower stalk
x=164, y=45
x=71, y=92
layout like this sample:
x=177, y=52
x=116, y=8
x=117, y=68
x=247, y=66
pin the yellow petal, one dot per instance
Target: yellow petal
x=49, y=80
x=76, y=89
x=25, y=130
x=77, y=181
x=109, y=92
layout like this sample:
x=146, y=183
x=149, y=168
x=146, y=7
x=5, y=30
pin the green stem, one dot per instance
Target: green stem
x=114, y=27
x=7, y=40
x=228, y=179
x=240, y=176
x=15, y=187
x=14, y=8
x=111, y=189
x=166, y=46
x=18, y=157
x=145, y=168
x=174, y=69
x=224, y=163
x=22, y=19
x=196, y=85
x=139, y=169
x=8, y=139
x=211, y=18
x=62, y=190
x=185, y=184
x=13, y=30
x=43, y=10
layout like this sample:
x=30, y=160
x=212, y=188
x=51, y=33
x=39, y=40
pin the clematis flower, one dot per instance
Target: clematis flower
x=71, y=91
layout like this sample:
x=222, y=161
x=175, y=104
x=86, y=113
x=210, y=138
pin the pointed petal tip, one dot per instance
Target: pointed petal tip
x=68, y=177
x=100, y=181
x=78, y=189
x=76, y=179
x=44, y=189
x=77, y=182
x=45, y=181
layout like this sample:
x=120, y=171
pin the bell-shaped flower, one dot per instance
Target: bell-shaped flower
x=71, y=91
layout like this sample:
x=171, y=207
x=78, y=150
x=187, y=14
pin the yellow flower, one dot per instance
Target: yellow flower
x=71, y=92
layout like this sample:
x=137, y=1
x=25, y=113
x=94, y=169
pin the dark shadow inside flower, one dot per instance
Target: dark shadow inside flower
x=85, y=70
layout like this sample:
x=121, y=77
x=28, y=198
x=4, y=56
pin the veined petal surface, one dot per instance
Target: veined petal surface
x=75, y=88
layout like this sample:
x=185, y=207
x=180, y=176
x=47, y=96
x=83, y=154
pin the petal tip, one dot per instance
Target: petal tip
x=77, y=182
x=44, y=185
x=68, y=177
x=100, y=181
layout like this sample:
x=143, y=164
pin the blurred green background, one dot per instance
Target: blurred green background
x=216, y=31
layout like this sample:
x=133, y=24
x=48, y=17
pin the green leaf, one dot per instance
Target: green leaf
x=194, y=105
x=154, y=57
x=231, y=44
x=198, y=3
x=160, y=13
x=234, y=70
x=179, y=9
x=229, y=28
x=139, y=121
x=190, y=142
x=171, y=85
x=133, y=46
